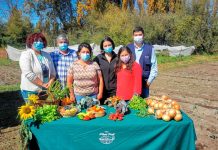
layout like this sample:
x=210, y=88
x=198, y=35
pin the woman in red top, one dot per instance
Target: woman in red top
x=129, y=75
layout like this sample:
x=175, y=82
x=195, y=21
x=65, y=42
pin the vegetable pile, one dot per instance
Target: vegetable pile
x=164, y=108
x=137, y=103
x=55, y=91
x=46, y=113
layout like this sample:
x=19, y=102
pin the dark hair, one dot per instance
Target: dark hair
x=119, y=62
x=86, y=45
x=138, y=29
x=107, y=38
x=35, y=37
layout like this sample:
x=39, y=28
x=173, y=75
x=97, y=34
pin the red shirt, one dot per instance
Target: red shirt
x=129, y=82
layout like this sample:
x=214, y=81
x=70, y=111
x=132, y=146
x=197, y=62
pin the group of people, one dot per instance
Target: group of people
x=128, y=73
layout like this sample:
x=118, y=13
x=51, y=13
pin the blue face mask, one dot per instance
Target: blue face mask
x=38, y=45
x=63, y=46
x=108, y=49
x=85, y=56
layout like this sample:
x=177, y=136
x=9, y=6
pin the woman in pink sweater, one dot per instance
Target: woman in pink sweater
x=129, y=75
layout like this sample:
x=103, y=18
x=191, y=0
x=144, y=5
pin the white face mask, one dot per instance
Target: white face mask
x=138, y=39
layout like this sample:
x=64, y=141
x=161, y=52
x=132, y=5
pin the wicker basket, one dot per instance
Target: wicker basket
x=44, y=102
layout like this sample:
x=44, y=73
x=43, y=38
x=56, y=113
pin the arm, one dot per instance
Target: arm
x=101, y=85
x=26, y=69
x=154, y=70
x=52, y=71
x=137, y=79
x=70, y=80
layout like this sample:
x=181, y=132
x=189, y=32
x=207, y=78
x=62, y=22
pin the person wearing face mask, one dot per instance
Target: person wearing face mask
x=107, y=61
x=144, y=54
x=85, y=76
x=63, y=58
x=37, y=68
x=128, y=75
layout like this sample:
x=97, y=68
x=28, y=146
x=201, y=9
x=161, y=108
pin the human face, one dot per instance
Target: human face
x=84, y=54
x=124, y=56
x=138, y=37
x=38, y=44
x=62, y=44
x=107, y=46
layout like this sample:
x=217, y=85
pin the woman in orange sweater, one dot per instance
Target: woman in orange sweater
x=129, y=75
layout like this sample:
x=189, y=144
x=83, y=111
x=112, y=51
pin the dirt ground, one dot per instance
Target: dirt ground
x=195, y=87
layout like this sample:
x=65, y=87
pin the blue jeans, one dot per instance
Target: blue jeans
x=145, y=92
x=79, y=97
x=25, y=94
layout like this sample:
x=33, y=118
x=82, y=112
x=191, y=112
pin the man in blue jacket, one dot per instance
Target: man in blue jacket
x=145, y=55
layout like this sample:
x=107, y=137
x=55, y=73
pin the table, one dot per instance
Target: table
x=133, y=133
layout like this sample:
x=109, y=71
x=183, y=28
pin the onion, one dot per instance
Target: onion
x=176, y=106
x=156, y=106
x=174, y=102
x=158, y=114
x=160, y=105
x=178, y=117
x=152, y=103
x=169, y=106
x=164, y=97
x=178, y=111
x=165, y=106
x=151, y=110
x=169, y=101
x=166, y=117
x=172, y=113
x=148, y=101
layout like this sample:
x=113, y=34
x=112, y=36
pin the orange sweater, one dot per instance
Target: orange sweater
x=129, y=82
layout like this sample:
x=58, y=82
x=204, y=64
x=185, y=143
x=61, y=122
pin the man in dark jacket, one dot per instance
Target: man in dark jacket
x=144, y=55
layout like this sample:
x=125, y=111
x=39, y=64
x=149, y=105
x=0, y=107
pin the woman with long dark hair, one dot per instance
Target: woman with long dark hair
x=129, y=75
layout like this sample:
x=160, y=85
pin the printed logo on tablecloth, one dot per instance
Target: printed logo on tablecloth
x=106, y=137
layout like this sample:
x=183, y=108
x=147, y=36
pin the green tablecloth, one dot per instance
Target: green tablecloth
x=133, y=133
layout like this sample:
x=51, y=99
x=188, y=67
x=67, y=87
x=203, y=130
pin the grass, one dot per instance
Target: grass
x=7, y=62
x=167, y=62
x=5, y=88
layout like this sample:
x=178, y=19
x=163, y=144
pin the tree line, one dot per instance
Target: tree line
x=172, y=22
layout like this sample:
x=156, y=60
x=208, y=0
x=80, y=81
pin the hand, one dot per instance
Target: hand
x=50, y=82
x=99, y=96
x=45, y=85
x=147, y=84
x=72, y=98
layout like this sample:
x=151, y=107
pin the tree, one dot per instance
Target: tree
x=215, y=8
x=39, y=26
x=15, y=31
x=151, y=6
x=27, y=25
x=127, y=3
x=161, y=6
x=60, y=12
x=141, y=5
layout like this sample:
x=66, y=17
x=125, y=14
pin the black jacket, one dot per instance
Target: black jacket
x=108, y=72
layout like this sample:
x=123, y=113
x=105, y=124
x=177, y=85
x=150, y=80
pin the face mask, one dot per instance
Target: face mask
x=38, y=46
x=85, y=57
x=63, y=46
x=125, y=59
x=108, y=49
x=138, y=39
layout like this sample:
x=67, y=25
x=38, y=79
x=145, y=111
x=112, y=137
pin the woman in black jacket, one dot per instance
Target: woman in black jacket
x=107, y=62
